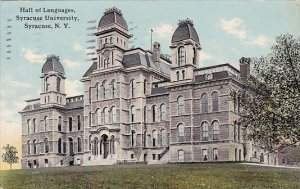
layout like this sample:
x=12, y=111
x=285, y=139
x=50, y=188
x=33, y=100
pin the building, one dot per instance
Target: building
x=139, y=106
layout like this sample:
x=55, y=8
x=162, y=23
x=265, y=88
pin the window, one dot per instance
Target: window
x=215, y=154
x=110, y=39
x=177, y=75
x=79, y=144
x=154, y=138
x=46, y=143
x=105, y=89
x=59, y=145
x=181, y=56
x=114, y=114
x=28, y=126
x=145, y=113
x=112, y=145
x=59, y=125
x=113, y=89
x=162, y=112
x=106, y=41
x=239, y=131
x=180, y=155
x=90, y=142
x=145, y=86
x=34, y=125
x=180, y=105
x=58, y=84
x=46, y=162
x=133, y=114
x=90, y=119
x=215, y=101
x=132, y=88
x=204, y=130
x=194, y=56
x=204, y=103
x=180, y=130
x=216, y=128
x=97, y=91
x=153, y=113
x=234, y=131
x=78, y=123
x=204, y=154
x=46, y=120
x=153, y=156
x=47, y=84
x=145, y=139
x=183, y=74
x=98, y=117
x=133, y=138
x=70, y=123
x=163, y=135
x=90, y=95
x=106, y=115
x=28, y=147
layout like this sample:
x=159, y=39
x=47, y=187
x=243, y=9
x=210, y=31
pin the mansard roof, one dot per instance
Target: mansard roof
x=53, y=64
x=113, y=16
x=185, y=30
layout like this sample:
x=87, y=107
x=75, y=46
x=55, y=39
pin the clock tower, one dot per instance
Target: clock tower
x=112, y=38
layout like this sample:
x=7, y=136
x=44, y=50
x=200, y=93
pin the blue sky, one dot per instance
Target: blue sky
x=227, y=31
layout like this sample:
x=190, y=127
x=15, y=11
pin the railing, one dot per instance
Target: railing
x=67, y=160
x=163, y=153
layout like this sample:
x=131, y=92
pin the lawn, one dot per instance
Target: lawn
x=179, y=176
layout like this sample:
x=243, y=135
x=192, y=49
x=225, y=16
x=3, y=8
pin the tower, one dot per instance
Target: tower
x=112, y=38
x=53, y=82
x=185, y=51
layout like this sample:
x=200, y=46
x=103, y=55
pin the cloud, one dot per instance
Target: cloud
x=261, y=41
x=234, y=26
x=77, y=47
x=32, y=56
x=21, y=84
x=71, y=64
x=73, y=87
x=164, y=30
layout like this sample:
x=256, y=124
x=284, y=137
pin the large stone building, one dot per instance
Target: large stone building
x=139, y=106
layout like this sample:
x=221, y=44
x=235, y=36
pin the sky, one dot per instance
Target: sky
x=228, y=30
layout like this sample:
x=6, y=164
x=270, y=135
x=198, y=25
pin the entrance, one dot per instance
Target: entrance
x=104, y=145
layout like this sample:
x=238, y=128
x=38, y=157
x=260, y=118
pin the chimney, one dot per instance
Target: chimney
x=244, y=68
x=156, y=52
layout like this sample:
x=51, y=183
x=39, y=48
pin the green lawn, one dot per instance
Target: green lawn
x=179, y=176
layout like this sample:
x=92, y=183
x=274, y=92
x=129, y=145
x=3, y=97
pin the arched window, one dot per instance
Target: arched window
x=78, y=144
x=204, y=154
x=98, y=117
x=153, y=113
x=145, y=113
x=78, y=123
x=90, y=142
x=154, y=138
x=204, y=103
x=58, y=84
x=110, y=39
x=204, y=126
x=180, y=130
x=132, y=88
x=216, y=128
x=215, y=101
x=28, y=126
x=28, y=147
x=112, y=145
x=34, y=125
x=114, y=114
x=47, y=84
x=97, y=91
x=194, y=56
x=106, y=41
x=183, y=74
x=133, y=138
x=100, y=42
x=105, y=89
x=47, y=124
x=59, y=125
x=215, y=154
x=90, y=119
x=177, y=75
x=162, y=112
x=145, y=86
x=90, y=95
x=133, y=114
x=70, y=123
x=180, y=103
x=59, y=145
x=163, y=135
x=181, y=56
x=113, y=89
x=46, y=142
x=180, y=155
x=106, y=115
x=34, y=147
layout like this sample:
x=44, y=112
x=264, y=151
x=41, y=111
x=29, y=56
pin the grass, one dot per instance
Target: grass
x=179, y=176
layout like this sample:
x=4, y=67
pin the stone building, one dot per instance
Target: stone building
x=139, y=106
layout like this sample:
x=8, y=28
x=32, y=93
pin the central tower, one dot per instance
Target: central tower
x=112, y=39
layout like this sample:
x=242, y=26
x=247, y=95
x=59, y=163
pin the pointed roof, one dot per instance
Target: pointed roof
x=53, y=64
x=113, y=16
x=185, y=30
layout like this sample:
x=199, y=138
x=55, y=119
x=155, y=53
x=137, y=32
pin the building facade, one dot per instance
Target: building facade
x=139, y=106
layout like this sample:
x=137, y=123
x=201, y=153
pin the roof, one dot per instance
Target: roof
x=185, y=31
x=75, y=104
x=158, y=90
x=91, y=69
x=113, y=16
x=53, y=64
x=215, y=76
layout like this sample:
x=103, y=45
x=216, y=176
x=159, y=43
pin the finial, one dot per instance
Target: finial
x=113, y=9
x=185, y=21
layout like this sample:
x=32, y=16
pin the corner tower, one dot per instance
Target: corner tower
x=185, y=51
x=112, y=38
x=53, y=82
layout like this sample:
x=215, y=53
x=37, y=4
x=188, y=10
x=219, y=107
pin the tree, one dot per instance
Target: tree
x=271, y=100
x=10, y=155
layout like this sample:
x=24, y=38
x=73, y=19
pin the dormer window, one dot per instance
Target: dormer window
x=208, y=76
x=181, y=56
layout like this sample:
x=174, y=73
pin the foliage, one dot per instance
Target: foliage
x=10, y=155
x=272, y=104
